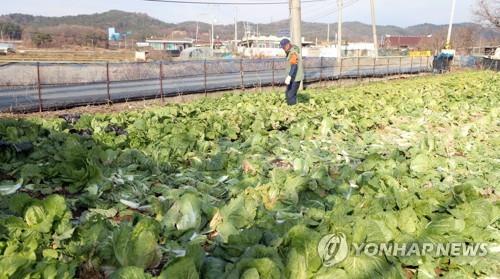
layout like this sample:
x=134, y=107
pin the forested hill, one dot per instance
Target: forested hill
x=140, y=26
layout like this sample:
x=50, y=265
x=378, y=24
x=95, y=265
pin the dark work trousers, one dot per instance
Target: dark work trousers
x=291, y=93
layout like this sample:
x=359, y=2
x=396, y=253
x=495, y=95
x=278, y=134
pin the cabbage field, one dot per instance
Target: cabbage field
x=243, y=186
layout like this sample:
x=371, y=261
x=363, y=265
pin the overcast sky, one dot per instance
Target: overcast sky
x=389, y=12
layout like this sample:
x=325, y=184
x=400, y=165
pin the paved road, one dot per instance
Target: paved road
x=26, y=98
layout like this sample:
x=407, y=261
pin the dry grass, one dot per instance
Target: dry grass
x=75, y=55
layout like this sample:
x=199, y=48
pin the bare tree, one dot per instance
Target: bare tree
x=488, y=12
x=464, y=38
x=434, y=43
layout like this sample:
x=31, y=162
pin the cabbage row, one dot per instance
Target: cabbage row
x=245, y=186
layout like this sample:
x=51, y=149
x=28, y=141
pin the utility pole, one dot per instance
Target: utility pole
x=197, y=27
x=374, y=29
x=340, y=5
x=295, y=27
x=247, y=34
x=295, y=22
x=212, y=38
x=235, y=34
x=257, y=35
x=328, y=34
x=448, y=39
x=236, y=30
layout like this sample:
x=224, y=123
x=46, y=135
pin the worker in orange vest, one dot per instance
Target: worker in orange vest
x=294, y=71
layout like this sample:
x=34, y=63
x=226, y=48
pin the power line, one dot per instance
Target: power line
x=316, y=8
x=346, y=4
x=334, y=10
x=231, y=3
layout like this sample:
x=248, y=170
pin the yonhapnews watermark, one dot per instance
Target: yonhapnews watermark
x=333, y=249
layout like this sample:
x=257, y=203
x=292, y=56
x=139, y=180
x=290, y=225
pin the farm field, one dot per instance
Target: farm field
x=246, y=187
x=69, y=55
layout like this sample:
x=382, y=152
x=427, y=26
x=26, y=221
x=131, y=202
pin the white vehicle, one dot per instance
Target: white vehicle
x=7, y=48
x=496, y=56
x=197, y=53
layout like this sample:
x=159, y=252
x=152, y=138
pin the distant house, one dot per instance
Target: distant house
x=113, y=35
x=484, y=51
x=404, y=42
x=348, y=50
x=164, y=44
x=263, y=46
x=172, y=47
x=359, y=49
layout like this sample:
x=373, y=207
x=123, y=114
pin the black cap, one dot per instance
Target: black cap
x=284, y=42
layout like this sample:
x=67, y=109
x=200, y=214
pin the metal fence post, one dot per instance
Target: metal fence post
x=260, y=83
x=108, y=83
x=205, y=75
x=161, y=82
x=305, y=71
x=427, y=65
x=273, y=73
x=411, y=65
x=334, y=67
x=420, y=65
x=320, y=70
x=359, y=68
x=241, y=74
x=340, y=71
x=39, y=87
x=387, y=69
x=374, y=66
x=400, y=61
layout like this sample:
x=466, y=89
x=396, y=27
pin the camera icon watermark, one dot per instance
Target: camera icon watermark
x=333, y=249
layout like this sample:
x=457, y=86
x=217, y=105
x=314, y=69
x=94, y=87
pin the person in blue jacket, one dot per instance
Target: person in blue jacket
x=294, y=71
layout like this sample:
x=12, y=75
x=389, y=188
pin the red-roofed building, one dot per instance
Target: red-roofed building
x=404, y=42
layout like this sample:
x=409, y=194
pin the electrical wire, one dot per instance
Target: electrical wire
x=346, y=4
x=315, y=8
x=335, y=10
x=231, y=3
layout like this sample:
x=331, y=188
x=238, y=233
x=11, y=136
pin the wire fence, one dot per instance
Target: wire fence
x=476, y=62
x=47, y=86
x=490, y=64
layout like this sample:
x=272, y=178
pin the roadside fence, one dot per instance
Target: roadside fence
x=38, y=86
x=476, y=62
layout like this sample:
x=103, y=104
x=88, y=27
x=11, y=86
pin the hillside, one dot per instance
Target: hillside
x=353, y=31
x=139, y=24
x=142, y=26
